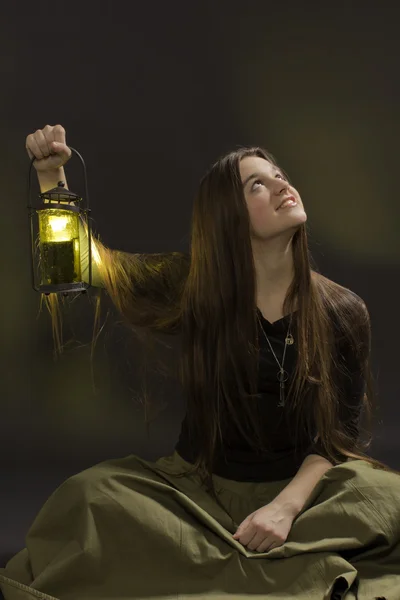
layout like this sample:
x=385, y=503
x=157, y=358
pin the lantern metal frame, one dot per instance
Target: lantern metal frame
x=67, y=288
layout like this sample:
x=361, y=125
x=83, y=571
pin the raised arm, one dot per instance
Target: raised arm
x=144, y=287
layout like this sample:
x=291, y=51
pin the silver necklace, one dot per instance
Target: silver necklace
x=282, y=375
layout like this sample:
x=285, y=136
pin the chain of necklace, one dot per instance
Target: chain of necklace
x=282, y=375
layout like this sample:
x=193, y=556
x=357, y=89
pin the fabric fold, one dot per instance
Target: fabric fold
x=131, y=528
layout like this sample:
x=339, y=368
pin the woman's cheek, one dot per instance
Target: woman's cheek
x=260, y=216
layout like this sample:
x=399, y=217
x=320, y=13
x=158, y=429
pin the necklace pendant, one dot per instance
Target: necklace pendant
x=281, y=403
x=282, y=376
x=289, y=340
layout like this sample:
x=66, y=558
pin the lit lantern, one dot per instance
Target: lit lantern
x=56, y=253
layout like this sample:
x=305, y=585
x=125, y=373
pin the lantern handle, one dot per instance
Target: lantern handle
x=84, y=177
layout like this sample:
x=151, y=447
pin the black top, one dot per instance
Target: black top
x=242, y=462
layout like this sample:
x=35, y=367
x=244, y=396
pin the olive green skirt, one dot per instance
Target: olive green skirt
x=130, y=528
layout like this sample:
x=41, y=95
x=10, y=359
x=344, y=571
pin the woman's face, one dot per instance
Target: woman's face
x=265, y=187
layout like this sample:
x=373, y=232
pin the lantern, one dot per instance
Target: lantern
x=55, y=239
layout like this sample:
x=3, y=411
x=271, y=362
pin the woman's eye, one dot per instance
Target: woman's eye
x=257, y=181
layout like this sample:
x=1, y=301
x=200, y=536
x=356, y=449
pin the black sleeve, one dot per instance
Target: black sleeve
x=349, y=376
x=351, y=388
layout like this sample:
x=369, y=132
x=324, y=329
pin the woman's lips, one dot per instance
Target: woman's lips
x=288, y=203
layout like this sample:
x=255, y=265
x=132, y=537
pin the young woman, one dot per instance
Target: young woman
x=269, y=491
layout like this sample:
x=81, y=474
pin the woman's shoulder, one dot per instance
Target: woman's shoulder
x=350, y=321
x=337, y=296
x=346, y=309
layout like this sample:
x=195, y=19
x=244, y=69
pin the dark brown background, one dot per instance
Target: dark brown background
x=152, y=93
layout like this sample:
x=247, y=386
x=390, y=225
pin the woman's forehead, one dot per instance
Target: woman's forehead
x=250, y=164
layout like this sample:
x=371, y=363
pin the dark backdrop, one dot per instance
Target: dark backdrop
x=151, y=94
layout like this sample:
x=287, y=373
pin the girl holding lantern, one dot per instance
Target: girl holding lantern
x=269, y=490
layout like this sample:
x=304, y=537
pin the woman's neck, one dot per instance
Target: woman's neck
x=274, y=267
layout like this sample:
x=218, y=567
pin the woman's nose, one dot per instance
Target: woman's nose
x=281, y=187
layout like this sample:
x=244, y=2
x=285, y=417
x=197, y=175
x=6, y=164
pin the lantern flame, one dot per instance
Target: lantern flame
x=58, y=223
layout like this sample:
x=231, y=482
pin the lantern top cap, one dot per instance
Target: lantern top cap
x=60, y=193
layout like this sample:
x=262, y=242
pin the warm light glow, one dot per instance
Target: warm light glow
x=95, y=255
x=59, y=246
x=58, y=223
x=96, y=259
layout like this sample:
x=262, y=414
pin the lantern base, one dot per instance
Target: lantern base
x=63, y=288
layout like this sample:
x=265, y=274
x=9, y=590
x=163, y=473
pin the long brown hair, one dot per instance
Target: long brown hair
x=209, y=297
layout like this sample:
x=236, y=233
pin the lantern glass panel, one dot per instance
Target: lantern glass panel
x=59, y=246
